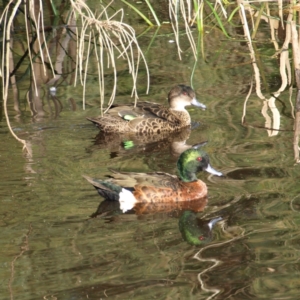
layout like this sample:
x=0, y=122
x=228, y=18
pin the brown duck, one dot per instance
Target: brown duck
x=131, y=189
x=151, y=118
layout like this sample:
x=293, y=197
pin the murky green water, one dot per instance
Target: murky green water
x=51, y=249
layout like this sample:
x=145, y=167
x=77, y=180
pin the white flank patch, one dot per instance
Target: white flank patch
x=127, y=200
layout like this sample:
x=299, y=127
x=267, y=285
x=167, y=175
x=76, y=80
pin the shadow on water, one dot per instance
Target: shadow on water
x=122, y=144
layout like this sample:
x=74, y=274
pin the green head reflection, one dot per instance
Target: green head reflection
x=194, y=230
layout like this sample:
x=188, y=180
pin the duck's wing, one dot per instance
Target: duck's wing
x=142, y=109
x=95, y=182
x=157, y=111
x=151, y=119
x=111, y=124
x=152, y=110
x=123, y=110
x=155, y=179
x=106, y=189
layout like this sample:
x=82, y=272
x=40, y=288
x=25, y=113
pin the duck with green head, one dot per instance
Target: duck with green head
x=130, y=188
x=149, y=118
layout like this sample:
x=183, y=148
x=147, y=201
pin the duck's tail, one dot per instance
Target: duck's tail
x=113, y=192
x=93, y=120
x=111, y=124
x=106, y=189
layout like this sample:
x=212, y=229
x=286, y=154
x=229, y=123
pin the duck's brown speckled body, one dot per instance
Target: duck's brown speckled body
x=149, y=118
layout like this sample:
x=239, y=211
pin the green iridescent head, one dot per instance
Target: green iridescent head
x=193, y=161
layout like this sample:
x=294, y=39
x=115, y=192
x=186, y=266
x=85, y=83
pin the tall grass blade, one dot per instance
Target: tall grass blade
x=138, y=12
x=153, y=12
x=217, y=18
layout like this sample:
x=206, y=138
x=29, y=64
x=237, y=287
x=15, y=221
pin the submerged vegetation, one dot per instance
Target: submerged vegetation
x=61, y=40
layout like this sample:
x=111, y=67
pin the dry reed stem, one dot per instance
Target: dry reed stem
x=174, y=14
x=219, y=3
x=61, y=51
x=284, y=57
x=38, y=20
x=185, y=10
x=280, y=12
x=296, y=56
x=286, y=76
x=188, y=30
x=111, y=38
x=252, y=52
x=29, y=48
x=102, y=32
x=175, y=26
x=245, y=102
x=7, y=22
x=285, y=69
x=272, y=23
x=5, y=66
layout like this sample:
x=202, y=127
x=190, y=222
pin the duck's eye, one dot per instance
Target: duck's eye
x=199, y=158
x=201, y=237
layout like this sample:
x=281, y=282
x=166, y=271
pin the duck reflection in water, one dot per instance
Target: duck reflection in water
x=194, y=230
x=120, y=144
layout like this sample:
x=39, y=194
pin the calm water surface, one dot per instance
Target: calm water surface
x=52, y=249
